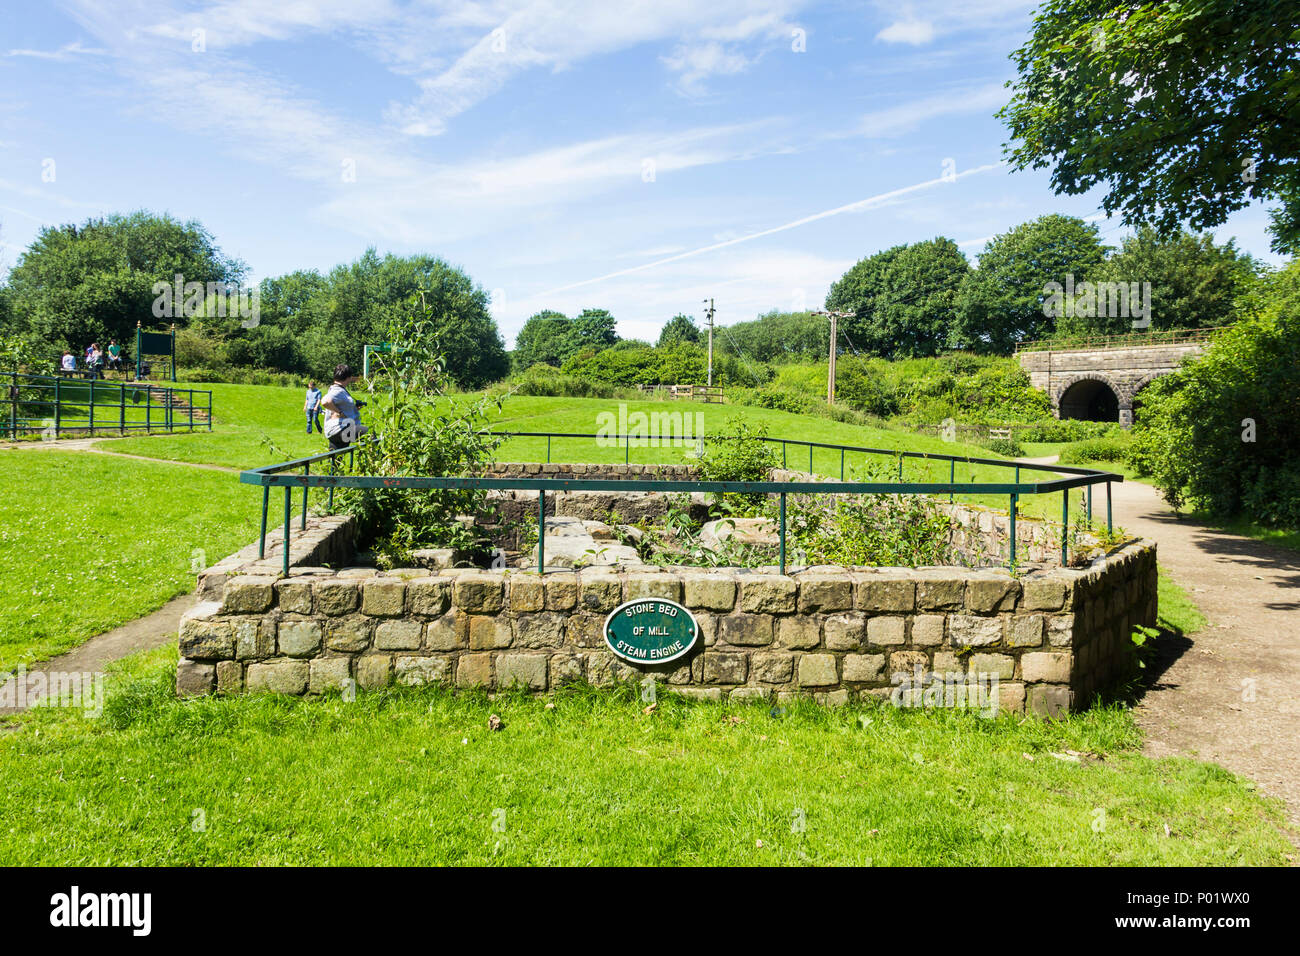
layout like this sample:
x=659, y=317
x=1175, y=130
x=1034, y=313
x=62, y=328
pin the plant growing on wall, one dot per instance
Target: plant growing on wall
x=417, y=427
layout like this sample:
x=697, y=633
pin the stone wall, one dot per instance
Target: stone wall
x=1053, y=637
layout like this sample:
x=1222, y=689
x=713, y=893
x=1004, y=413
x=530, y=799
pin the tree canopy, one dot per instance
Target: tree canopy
x=1185, y=112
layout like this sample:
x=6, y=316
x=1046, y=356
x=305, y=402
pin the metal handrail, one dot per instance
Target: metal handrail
x=59, y=386
x=276, y=475
x=1172, y=337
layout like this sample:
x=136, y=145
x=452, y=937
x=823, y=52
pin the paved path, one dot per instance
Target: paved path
x=152, y=630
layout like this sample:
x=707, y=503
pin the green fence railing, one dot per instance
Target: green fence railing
x=283, y=476
x=54, y=406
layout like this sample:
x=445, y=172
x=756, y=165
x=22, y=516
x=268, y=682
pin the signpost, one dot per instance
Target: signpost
x=651, y=631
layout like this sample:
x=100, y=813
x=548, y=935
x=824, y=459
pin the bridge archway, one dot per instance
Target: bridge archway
x=1091, y=399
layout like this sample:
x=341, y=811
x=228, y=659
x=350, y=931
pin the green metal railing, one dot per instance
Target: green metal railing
x=1122, y=340
x=282, y=476
x=53, y=405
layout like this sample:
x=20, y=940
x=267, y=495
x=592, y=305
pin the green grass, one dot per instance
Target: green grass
x=1178, y=613
x=415, y=777
x=91, y=542
x=1281, y=537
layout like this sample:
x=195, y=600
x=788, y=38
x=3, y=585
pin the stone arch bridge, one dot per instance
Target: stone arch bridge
x=1101, y=380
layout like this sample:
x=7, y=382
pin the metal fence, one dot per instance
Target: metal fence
x=54, y=406
x=298, y=474
x=1123, y=340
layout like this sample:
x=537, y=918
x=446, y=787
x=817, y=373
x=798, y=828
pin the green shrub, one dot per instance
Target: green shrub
x=1068, y=429
x=545, y=380
x=738, y=453
x=1004, y=446
x=1113, y=448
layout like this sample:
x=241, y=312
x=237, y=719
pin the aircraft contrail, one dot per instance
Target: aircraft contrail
x=851, y=207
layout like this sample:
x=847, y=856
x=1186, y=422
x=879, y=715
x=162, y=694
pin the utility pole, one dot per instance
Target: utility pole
x=830, y=370
x=709, y=314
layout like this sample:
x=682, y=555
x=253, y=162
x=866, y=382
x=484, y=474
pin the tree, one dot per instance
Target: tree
x=595, y=328
x=545, y=338
x=773, y=337
x=1223, y=432
x=1194, y=283
x=94, y=282
x=1185, y=111
x=1002, y=301
x=680, y=328
x=904, y=299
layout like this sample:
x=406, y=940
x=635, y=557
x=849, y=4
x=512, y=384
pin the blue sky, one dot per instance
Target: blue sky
x=637, y=156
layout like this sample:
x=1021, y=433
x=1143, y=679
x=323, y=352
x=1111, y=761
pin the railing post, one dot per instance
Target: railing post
x=1065, y=524
x=952, y=475
x=288, y=508
x=1109, y=529
x=148, y=409
x=209, y=409
x=541, y=531
x=57, y=407
x=333, y=471
x=92, y=408
x=841, y=464
x=1015, y=500
x=783, y=463
x=1090, y=506
x=548, y=449
x=121, y=411
x=306, y=473
x=266, y=503
x=810, y=471
x=13, y=408
x=783, y=532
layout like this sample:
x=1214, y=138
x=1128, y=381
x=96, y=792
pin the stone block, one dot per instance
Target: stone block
x=888, y=631
x=253, y=638
x=722, y=668
x=650, y=584
x=1049, y=700
x=865, y=668
x=819, y=591
x=927, y=630
x=417, y=671
x=403, y=635
x=1060, y=630
x=768, y=594
x=348, y=634
x=712, y=591
x=230, y=677
x=906, y=662
x=293, y=595
x=277, y=677
x=374, y=671
x=335, y=597
x=989, y=593
x=194, y=679
x=881, y=593
x=527, y=593
x=844, y=632
x=599, y=591
x=1011, y=697
x=202, y=638
x=481, y=592
x=383, y=597
x=541, y=629
x=965, y=630
x=800, y=633
x=745, y=630
x=298, y=638
x=1004, y=665
x=1053, y=667
x=773, y=667
x=522, y=670
x=474, y=670
x=429, y=597
x=1024, y=630
x=487, y=633
x=750, y=693
x=561, y=590
x=940, y=591
x=248, y=594
x=1043, y=594
x=817, y=670
x=567, y=668
x=443, y=634
x=328, y=673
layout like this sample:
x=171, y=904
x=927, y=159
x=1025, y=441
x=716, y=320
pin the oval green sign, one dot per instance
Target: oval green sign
x=650, y=631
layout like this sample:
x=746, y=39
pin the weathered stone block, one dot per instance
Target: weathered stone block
x=1049, y=700
x=817, y=670
x=542, y=629
x=927, y=630
x=230, y=677
x=824, y=592
x=725, y=668
x=429, y=597
x=773, y=667
x=277, y=677
x=403, y=635
x=194, y=679
x=383, y=597
x=416, y=671
x=906, y=662
x=599, y=591
x=647, y=584
x=1061, y=630
x=293, y=595
x=486, y=633
x=711, y=591
x=750, y=693
x=253, y=638
x=561, y=590
x=348, y=634
x=1043, y=594
x=798, y=632
x=567, y=668
x=887, y=631
x=298, y=638
x=204, y=639
x=990, y=593
x=1011, y=697
x=940, y=591
x=745, y=630
x=965, y=630
x=247, y=594
x=335, y=597
x=1050, y=666
x=768, y=593
x=879, y=593
x=374, y=671
x=1024, y=630
x=527, y=593
x=328, y=673
x=1004, y=665
x=522, y=670
x=585, y=630
x=474, y=670
x=844, y=632
x=864, y=667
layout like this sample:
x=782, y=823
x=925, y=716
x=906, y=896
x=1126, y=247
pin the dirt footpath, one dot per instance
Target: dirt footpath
x=1231, y=693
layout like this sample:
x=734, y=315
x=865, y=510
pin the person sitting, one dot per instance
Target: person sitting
x=342, y=420
x=114, y=355
x=69, y=364
x=94, y=360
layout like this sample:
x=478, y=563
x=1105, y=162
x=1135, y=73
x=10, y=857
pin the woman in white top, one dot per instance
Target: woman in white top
x=342, y=420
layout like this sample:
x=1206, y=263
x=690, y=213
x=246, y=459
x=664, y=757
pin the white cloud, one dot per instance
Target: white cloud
x=907, y=116
x=65, y=52
x=912, y=32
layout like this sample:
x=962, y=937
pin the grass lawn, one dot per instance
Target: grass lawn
x=91, y=542
x=414, y=776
